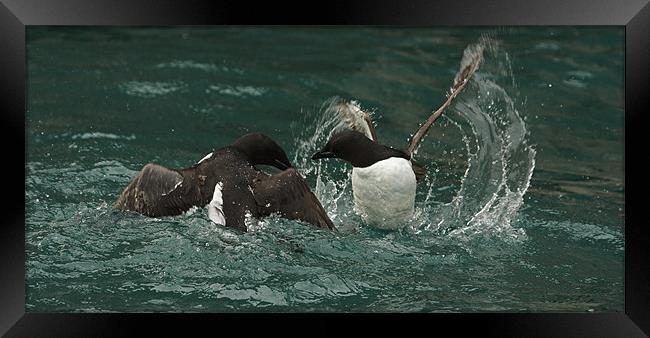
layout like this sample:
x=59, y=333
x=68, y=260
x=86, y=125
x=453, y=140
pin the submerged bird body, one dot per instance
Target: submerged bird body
x=229, y=184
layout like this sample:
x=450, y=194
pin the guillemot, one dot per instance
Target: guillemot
x=384, y=179
x=228, y=183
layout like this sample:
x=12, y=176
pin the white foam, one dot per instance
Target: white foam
x=239, y=91
x=206, y=67
x=188, y=64
x=97, y=135
x=148, y=89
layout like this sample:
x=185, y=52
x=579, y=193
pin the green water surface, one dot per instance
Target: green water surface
x=522, y=209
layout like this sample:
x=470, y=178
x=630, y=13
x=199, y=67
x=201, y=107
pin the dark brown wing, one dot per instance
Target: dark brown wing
x=469, y=65
x=155, y=191
x=236, y=205
x=419, y=170
x=288, y=194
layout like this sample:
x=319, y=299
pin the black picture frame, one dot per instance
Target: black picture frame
x=15, y=15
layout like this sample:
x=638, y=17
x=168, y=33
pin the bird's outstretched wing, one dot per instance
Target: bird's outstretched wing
x=356, y=119
x=469, y=64
x=288, y=194
x=155, y=191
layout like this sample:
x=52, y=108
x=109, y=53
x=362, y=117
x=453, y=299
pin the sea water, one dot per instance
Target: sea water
x=522, y=209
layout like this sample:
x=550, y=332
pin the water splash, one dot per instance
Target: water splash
x=500, y=162
x=317, y=127
x=333, y=187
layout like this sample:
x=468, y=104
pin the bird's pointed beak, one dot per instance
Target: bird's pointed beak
x=322, y=154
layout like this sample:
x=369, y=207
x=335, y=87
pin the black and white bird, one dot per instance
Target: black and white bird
x=383, y=178
x=228, y=183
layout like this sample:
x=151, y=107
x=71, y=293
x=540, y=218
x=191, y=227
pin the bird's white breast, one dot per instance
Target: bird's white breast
x=384, y=193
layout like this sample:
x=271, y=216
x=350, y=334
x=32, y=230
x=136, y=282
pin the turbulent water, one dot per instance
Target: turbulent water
x=521, y=209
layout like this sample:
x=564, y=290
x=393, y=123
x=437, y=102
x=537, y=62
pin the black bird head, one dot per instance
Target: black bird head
x=357, y=149
x=261, y=149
